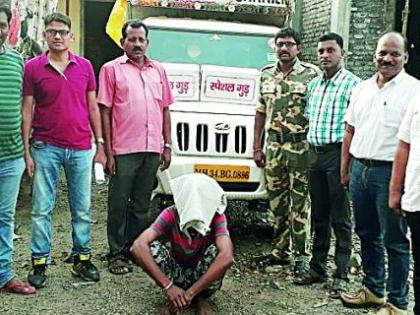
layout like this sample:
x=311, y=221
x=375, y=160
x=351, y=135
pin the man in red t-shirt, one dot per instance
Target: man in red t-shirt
x=59, y=114
x=200, y=251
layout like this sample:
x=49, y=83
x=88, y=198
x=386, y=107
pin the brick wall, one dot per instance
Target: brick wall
x=316, y=16
x=367, y=21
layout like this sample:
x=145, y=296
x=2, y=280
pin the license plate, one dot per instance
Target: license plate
x=224, y=173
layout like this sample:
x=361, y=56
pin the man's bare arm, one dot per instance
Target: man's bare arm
x=106, y=131
x=217, y=269
x=27, y=112
x=95, y=123
x=143, y=257
x=259, y=156
x=396, y=185
x=345, y=154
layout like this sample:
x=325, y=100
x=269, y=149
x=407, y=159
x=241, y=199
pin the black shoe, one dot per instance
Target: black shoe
x=301, y=267
x=308, y=277
x=36, y=276
x=83, y=268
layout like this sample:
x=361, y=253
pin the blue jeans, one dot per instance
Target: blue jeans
x=10, y=174
x=77, y=165
x=381, y=232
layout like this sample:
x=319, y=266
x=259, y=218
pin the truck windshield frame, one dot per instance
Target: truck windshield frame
x=211, y=48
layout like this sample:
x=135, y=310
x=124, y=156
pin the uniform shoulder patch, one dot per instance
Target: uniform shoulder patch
x=270, y=66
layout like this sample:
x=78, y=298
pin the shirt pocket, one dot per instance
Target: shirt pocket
x=157, y=90
x=390, y=116
x=297, y=94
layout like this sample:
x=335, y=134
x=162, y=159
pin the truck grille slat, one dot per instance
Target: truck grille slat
x=240, y=139
x=183, y=136
x=202, y=142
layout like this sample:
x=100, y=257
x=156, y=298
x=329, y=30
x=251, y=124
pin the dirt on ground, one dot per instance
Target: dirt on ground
x=248, y=287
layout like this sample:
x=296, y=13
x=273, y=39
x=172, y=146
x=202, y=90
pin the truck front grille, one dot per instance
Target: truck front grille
x=201, y=138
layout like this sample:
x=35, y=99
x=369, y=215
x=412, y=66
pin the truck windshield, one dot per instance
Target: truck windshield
x=210, y=48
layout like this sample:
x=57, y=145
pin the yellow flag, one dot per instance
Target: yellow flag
x=116, y=20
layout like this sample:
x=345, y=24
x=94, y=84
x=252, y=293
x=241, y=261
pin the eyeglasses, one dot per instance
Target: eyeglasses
x=53, y=33
x=287, y=44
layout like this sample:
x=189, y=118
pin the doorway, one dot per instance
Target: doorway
x=98, y=47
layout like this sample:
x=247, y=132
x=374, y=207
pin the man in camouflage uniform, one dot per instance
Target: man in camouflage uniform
x=281, y=109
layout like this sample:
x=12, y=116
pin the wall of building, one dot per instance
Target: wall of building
x=75, y=12
x=368, y=20
x=315, y=21
x=360, y=22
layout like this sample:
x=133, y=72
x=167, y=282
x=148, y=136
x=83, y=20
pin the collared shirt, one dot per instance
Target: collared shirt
x=137, y=97
x=11, y=77
x=282, y=97
x=327, y=103
x=183, y=250
x=410, y=133
x=376, y=115
x=61, y=115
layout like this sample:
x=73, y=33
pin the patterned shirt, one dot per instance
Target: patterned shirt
x=183, y=250
x=282, y=100
x=11, y=77
x=282, y=97
x=327, y=105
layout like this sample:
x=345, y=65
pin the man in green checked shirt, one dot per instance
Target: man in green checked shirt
x=328, y=96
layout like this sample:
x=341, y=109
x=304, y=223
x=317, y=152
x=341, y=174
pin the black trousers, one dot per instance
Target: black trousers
x=129, y=196
x=413, y=221
x=329, y=210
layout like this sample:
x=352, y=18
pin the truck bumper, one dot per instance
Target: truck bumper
x=250, y=189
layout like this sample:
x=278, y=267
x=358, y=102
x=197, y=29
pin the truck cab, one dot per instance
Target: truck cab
x=213, y=69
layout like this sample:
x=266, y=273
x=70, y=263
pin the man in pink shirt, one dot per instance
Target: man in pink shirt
x=59, y=107
x=134, y=95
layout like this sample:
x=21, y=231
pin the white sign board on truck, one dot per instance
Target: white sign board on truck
x=229, y=85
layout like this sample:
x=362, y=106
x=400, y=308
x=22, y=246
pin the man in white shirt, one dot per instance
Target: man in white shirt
x=376, y=109
x=404, y=194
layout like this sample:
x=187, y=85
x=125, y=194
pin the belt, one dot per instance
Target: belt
x=373, y=163
x=290, y=137
x=326, y=147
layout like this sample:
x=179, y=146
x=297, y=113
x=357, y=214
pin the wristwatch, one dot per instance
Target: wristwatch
x=100, y=140
x=167, y=146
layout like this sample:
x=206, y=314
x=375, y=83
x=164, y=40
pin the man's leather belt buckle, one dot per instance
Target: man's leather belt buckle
x=290, y=137
x=374, y=163
x=326, y=147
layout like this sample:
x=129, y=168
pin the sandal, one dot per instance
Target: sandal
x=18, y=287
x=119, y=267
x=339, y=286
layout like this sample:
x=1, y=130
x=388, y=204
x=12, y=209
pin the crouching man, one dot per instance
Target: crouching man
x=200, y=252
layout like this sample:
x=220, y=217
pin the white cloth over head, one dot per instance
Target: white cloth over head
x=198, y=198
